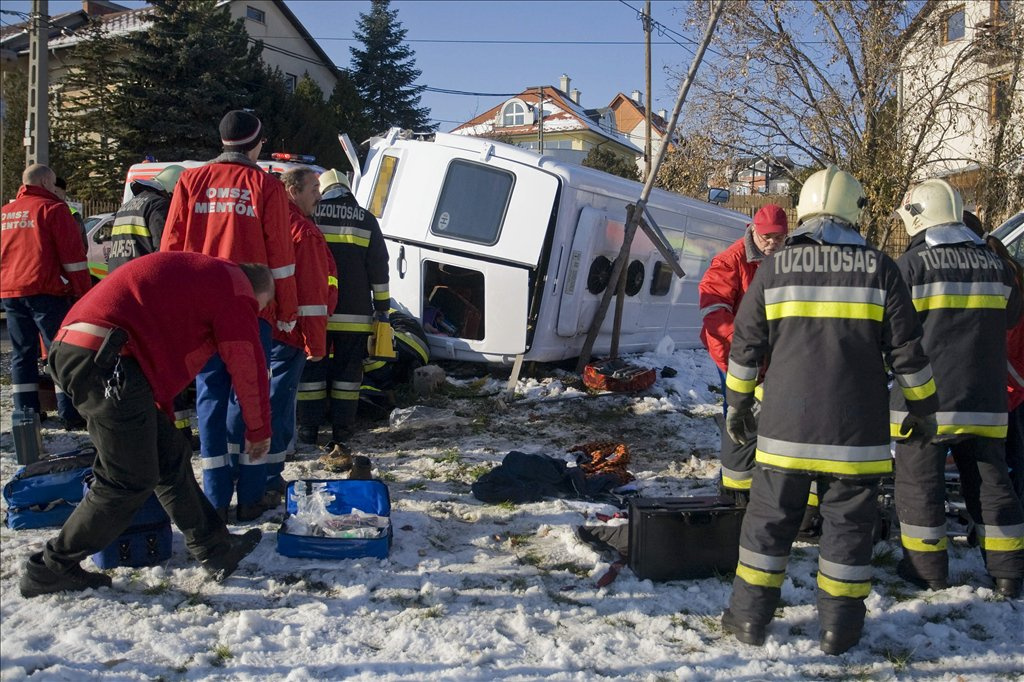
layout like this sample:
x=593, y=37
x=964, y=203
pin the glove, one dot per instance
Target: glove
x=381, y=316
x=286, y=327
x=919, y=429
x=740, y=424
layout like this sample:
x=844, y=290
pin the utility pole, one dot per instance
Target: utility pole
x=540, y=119
x=37, y=123
x=647, y=87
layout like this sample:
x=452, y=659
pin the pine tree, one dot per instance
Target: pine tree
x=84, y=146
x=310, y=128
x=192, y=66
x=348, y=112
x=14, y=91
x=384, y=71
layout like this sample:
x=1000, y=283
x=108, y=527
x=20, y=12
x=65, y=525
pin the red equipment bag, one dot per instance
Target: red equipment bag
x=617, y=375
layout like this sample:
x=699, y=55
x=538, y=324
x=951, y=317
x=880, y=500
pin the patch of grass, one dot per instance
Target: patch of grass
x=413, y=487
x=450, y=456
x=518, y=584
x=506, y=506
x=574, y=568
x=620, y=623
x=433, y=612
x=712, y=624
x=899, y=658
x=223, y=654
x=478, y=471
x=387, y=477
x=159, y=588
x=978, y=633
x=432, y=474
x=887, y=557
x=679, y=620
x=530, y=559
x=561, y=598
x=470, y=390
x=957, y=613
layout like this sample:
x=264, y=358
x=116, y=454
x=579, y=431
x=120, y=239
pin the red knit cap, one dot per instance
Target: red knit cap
x=771, y=219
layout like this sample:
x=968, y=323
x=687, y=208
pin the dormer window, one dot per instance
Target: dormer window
x=514, y=114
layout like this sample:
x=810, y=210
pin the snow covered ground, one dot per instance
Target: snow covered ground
x=478, y=592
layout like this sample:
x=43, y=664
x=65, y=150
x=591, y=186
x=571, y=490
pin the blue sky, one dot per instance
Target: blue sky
x=569, y=37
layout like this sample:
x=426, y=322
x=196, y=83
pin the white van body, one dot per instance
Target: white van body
x=508, y=246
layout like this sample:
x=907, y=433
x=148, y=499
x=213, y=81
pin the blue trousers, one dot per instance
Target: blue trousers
x=28, y=318
x=286, y=364
x=222, y=435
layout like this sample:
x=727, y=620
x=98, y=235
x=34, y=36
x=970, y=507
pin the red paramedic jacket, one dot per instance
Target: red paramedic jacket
x=41, y=247
x=232, y=208
x=721, y=290
x=179, y=309
x=314, y=267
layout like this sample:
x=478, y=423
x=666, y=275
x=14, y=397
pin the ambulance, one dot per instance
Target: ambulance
x=504, y=254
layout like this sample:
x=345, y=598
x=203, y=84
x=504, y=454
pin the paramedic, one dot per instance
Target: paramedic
x=966, y=299
x=314, y=270
x=721, y=290
x=831, y=312
x=125, y=350
x=231, y=208
x=361, y=258
x=44, y=262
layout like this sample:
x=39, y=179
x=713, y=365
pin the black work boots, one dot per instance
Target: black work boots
x=1009, y=587
x=748, y=633
x=906, y=571
x=839, y=641
x=37, y=578
x=223, y=564
x=308, y=435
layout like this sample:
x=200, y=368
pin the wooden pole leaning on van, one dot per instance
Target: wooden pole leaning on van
x=634, y=218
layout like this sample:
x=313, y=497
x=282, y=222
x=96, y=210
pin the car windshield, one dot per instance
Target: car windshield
x=1006, y=228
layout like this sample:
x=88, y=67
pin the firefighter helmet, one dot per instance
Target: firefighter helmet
x=168, y=177
x=332, y=177
x=933, y=202
x=831, y=192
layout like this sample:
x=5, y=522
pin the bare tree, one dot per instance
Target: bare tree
x=821, y=82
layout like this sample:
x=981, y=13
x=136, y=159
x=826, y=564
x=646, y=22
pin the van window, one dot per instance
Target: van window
x=454, y=301
x=382, y=188
x=473, y=202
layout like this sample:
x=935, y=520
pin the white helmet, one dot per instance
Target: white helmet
x=332, y=177
x=933, y=202
x=831, y=192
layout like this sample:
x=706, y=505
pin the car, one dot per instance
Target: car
x=97, y=234
x=1011, y=234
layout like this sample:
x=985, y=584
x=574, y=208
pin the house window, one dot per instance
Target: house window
x=1002, y=10
x=514, y=114
x=998, y=99
x=256, y=14
x=473, y=202
x=291, y=81
x=953, y=25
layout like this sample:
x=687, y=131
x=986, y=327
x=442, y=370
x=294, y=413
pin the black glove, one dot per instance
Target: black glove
x=740, y=424
x=381, y=316
x=919, y=429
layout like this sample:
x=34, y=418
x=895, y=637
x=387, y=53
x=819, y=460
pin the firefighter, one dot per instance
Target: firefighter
x=139, y=223
x=233, y=209
x=44, y=262
x=308, y=341
x=361, y=258
x=967, y=299
x=830, y=312
x=721, y=290
x=124, y=351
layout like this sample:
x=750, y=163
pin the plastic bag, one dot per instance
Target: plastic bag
x=422, y=415
x=313, y=518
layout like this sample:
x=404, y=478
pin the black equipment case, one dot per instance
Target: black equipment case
x=681, y=538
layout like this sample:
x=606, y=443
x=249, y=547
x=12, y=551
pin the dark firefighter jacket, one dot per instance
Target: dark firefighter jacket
x=966, y=299
x=355, y=240
x=826, y=313
x=138, y=224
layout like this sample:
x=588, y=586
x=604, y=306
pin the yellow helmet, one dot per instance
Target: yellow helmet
x=831, y=192
x=332, y=177
x=933, y=202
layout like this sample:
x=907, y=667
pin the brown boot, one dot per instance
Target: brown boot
x=362, y=469
x=338, y=457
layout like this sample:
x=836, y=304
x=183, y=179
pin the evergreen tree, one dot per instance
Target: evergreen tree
x=183, y=74
x=384, y=71
x=14, y=92
x=310, y=128
x=348, y=112
x=84, y=146
x=608, y=162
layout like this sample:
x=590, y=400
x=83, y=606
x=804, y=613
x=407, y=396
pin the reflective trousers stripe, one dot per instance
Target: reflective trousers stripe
x=344, y=395
x=844, y=572
x=311, y=395
x=920, y=545
x=24, y=388
x=216, y=462
x=274, y=457
x=760, y=578
x=838, y=588
x=1001, y=538
x=825, y=466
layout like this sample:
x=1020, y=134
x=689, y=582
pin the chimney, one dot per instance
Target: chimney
x=575, y=95
x=635, y=96
x=97, y=8
x=663, y=113
x=564, y=83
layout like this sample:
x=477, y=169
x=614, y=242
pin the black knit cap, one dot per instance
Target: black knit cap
x=240, y=131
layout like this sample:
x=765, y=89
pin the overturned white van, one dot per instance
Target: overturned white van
x=503, y=253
